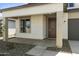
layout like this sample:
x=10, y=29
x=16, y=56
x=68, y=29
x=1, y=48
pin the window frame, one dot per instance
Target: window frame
x=21, y=31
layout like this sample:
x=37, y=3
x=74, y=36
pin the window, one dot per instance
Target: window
x=25, y=25
x=11, y=24
x=71, y=5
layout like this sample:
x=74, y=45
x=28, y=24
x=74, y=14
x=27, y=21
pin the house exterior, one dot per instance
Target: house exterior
x=43, y=21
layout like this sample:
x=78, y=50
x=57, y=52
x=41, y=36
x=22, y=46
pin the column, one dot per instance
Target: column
x=59, y=30
x=5, y=29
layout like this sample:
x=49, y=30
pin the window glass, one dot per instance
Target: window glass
x=25, y=26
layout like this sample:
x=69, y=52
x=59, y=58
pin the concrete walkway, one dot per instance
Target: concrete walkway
x=74, y=47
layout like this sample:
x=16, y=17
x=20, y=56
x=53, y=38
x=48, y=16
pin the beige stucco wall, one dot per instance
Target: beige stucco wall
x=37, y=28
x=65, y=25
x=42, y=32
x=76, y=5
x=44, y=27
x=42, y=9
x=72, y=15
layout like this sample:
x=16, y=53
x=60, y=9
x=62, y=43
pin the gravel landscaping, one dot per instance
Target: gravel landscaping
x=18, y=49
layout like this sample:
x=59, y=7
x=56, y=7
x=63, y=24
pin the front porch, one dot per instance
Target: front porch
x=38, y=27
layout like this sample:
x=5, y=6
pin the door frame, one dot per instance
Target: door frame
x=47, y=18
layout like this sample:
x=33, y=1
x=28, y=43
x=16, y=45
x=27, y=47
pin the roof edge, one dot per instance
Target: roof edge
x=23, y=6
x=73, y=10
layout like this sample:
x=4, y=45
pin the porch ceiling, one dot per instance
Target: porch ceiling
x=18, y=17
x=51, y=15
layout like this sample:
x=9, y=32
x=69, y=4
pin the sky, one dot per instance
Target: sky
x=8, y=5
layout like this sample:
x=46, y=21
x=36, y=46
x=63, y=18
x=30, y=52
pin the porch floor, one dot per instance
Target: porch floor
x=45, y=42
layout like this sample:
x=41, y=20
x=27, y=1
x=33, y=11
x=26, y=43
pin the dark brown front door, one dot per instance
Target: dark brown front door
x=51, y=27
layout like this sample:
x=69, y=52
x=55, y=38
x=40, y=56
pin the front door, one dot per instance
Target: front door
x=51, y=27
